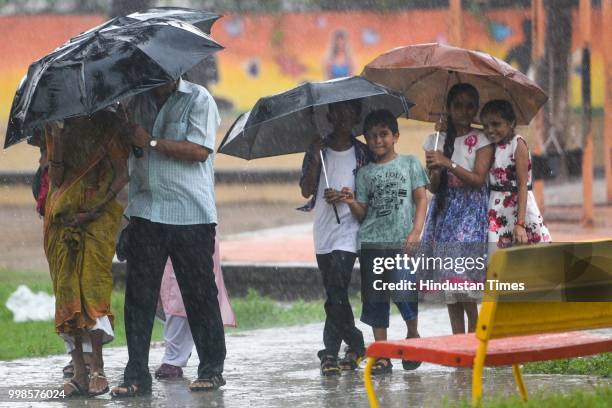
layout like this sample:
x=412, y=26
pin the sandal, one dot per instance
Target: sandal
x=129, y=391
x=168, y=371
x=329, y=364
x=207, y=384
x=410, y=365
x=68, y=370
x=92, y=377
x=350, y=361
x=381, y=366
x=77, y=390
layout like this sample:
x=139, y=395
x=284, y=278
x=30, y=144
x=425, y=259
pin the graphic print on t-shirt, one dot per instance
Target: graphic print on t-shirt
x=387, y=194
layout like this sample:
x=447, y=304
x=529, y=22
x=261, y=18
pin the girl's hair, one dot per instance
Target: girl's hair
x=501, y=107
x=451, y=134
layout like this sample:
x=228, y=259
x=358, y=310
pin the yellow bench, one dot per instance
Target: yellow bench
x=567, y=288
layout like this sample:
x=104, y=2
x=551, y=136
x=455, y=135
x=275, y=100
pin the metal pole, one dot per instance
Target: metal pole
x=456, y=23
x=587, y=152
x=606, y=26
x=538, y=32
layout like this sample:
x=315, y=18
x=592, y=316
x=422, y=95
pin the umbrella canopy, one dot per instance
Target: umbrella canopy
x=203, y=20
x=289, y=122
x=86, y=75
x=424, y=73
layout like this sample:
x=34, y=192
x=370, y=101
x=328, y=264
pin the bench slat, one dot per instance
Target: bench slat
x=460, y=350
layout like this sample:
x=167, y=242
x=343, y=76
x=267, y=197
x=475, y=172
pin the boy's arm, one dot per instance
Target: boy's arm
x=419, y=198
x=522, y=175
x=312, y=163
x=434, y=179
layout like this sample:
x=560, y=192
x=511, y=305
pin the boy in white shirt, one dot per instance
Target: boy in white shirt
x=336, y=243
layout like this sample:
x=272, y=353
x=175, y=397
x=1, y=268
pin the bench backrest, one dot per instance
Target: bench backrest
x=567, y=286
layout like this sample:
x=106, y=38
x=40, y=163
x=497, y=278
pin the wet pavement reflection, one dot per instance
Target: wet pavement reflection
x=278, y=368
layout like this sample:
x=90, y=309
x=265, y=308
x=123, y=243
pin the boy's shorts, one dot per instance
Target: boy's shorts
x=376, y=314
x=375, y=296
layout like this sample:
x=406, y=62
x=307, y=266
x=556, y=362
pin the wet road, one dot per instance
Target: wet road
x=278, y=368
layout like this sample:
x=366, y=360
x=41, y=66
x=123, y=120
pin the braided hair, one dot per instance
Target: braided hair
x=451, y=135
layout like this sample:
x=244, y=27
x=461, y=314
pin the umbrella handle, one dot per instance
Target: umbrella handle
x=437, y=139
x=336, y=213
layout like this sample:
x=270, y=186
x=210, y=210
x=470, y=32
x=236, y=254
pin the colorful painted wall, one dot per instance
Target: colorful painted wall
x=268, y=53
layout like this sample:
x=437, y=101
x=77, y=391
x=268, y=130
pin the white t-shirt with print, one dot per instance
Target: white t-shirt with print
x=466, y=147
x=328, y=234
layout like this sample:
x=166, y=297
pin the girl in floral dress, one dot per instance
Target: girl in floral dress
x=514, y=216
x=456, y=224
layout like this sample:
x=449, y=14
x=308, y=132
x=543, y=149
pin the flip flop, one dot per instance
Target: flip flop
x=382, y=366
x=97, y=375
x=207, y=384
x=410, y=365
x=350, y=361
x=132, y=390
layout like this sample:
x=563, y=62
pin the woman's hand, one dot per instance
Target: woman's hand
x=435, y=159
x=520, y=235
x=84, y=217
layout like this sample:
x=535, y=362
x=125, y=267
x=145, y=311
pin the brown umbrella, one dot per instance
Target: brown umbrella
x=424, y=73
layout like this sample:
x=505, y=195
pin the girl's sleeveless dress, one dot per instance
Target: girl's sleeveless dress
x=503, y=200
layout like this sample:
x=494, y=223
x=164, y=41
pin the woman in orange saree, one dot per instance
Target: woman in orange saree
x=88, y=167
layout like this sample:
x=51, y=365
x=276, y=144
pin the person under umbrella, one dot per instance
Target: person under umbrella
x=172, y=215
x=322, y=118
x=336, y=242
x=457, y=223
x=88, y=167
x=450, y=85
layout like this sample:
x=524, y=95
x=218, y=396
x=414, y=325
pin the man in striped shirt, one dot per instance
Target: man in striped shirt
x=172, y=214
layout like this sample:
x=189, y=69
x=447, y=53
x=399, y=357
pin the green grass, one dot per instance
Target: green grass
x=30, y=339
x=255, y=312
x=599, y=397
x=600, y=365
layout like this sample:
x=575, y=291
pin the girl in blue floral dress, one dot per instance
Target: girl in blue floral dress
x=456, y=225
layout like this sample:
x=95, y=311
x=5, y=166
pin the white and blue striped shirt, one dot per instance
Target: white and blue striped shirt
x=167, y=190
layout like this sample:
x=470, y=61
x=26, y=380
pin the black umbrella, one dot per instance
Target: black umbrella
x=88, y=74
x=199, y=18
x=289, y=122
